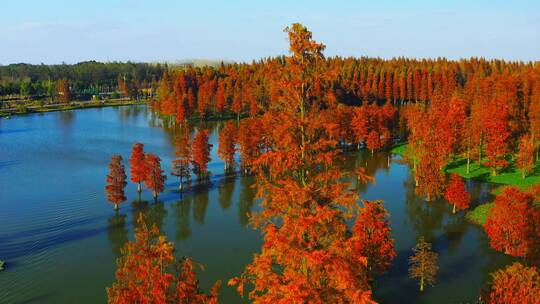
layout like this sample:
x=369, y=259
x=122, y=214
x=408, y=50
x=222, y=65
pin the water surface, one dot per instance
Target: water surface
x=60, y=237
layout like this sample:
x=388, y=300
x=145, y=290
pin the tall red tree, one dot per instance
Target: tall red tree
x=525, y=157
x=227, y=145
x=456, y=194
x=509, y=222
x=116, y=181
x=138, y=165
x=182, y=153
x=154, y=179
x=201, y=154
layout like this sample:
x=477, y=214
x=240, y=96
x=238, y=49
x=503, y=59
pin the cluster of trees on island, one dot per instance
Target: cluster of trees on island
x=322, y=243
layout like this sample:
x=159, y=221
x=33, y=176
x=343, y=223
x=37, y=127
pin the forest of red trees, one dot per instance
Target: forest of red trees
x=294, y=112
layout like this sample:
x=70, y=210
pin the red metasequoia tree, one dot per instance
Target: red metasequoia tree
x=154, y=179
x=373, y=141
x=525, y=157
x=309, y=253
x=249, y=138
x=137, y=165
x=148, y=273
x=423, y=264
x=182, y=153
x=116, y=181
x=456, y=194
x=496, y=126
x=510, y=223
x=372, y=231
x=516, y=284
x=226, y=147
x=201, y=154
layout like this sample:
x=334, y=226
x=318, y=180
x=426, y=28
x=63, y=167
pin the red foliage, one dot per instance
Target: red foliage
x=227, y=141
x=372, y=231
x=146, y=273
x=182, y=153
x=510, y=221
x=516, y=284
x=201, y=154
x=525, y=157
x=137, y=165
x=116, y=181
x=456, y=194
x=154, y=179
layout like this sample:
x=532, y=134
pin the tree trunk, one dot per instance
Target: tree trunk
x=523, y=174
x=180, y=185
x=468, y=164
x=454, y=209
x=155, y=194
x=116, y=207
x=139, y=188
x=422, y=283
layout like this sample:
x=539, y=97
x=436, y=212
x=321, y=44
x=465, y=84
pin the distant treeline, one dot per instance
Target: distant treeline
x=82, y=80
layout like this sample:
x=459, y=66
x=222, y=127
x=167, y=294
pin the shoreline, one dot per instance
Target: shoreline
x=75, y=105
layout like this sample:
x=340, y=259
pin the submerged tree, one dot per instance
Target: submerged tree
x=516, y=284
x=423, y=264
x=182, y=153
x=201, y=154
x=456, y=194
x=154, y=179
x=137, y=165
x=148, y=272
x=116, y=181
x=226, y=148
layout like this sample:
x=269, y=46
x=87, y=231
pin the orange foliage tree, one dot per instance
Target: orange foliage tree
x=148, y=273
x=201, y=154
x=116, y=181
x=423, y=264
x=525, y=157
x=309, y=254
x=372, y=231
x=154, y=179
x=226, y=147
x=510, y=222
x=182, y=153
x=516, y=284
x=456, y=194
x=138, y=165
x=249, y=138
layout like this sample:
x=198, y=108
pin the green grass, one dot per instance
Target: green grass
x=479, y=214
x=2, y=264
x=72, y=106
x=399, y=149
x=509, y=176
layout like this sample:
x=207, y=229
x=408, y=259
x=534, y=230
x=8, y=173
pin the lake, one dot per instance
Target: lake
x=60, y=237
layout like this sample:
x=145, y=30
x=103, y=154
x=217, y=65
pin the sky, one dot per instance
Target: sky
x=56, y=31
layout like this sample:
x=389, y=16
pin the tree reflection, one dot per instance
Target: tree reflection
x=200, y=203
x=154, y=213
x=117, y=232
x=182, y=209
x=246, y=200
x=226, y=191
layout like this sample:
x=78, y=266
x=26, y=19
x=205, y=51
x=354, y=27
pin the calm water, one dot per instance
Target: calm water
x=60, y=237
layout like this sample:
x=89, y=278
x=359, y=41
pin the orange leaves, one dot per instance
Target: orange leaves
x=511, y=223
x=456, y=194
x=201, y=154
x=227, y=141
x=146, y=273
x=515, y=284
x=154, y=179
x=137, y=164
x=116, y=181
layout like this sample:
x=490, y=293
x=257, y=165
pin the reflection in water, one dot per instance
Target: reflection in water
x=246, y=200
x=425, y=218
x=226, y=191
x=154, y=213
x=182, y=209
x=117, y=232
x=200, y=203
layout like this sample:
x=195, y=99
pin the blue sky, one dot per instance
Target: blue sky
x=56, y=31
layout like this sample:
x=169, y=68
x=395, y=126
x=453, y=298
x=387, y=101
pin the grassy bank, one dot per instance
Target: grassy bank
x=66, y=107
x=479, y=214
x=509, y=176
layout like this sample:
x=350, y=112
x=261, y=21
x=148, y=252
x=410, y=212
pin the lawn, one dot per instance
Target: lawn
x=479, y=214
